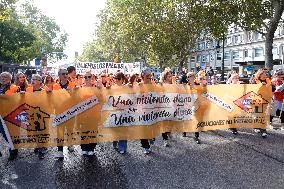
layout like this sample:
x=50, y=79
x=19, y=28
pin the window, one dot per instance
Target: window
x=242, y=38
x=275, y=50
x=245, y=53
x=237, y=39
x=236, y=29
x=229, y=40
x=201, y=46
x=227, y=55
x=236, y=55
x=208, y=44
x=205, y=58
x=281, y=29
x=219, y=56
x=211, y=56
x=198, y=58
x=192, y=59
x=257, y=36
x=258, y=52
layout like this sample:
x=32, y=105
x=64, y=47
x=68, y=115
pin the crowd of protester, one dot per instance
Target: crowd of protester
x=68, y=79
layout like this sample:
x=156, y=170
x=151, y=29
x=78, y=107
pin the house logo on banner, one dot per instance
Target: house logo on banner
x=28, y=117
x=251, y=103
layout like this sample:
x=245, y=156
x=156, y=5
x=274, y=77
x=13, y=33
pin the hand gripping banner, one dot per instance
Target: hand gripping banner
x=89, y=115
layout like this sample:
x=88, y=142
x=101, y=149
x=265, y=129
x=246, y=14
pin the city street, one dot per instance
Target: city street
x=221, y=161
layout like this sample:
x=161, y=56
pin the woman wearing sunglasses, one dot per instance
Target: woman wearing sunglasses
x=191, y=81
x=88, y=149
x=120, y=145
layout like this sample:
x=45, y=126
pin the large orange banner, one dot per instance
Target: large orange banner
x=88, y=115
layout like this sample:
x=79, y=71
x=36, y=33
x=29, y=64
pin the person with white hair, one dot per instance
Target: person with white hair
x=7, y=88
x=36, y=85
x=146, y=75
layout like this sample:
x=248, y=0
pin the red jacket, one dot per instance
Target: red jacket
x=279, y=95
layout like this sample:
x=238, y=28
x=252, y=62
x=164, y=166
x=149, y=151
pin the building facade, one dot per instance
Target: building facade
x=242, y=50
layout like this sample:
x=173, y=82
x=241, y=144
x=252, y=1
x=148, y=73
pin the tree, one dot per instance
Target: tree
x=26, y=34
x=6, y=7
x=50, y=40
x=149, y=30
x=13, y=37
x=252, y=15
x=157, y=30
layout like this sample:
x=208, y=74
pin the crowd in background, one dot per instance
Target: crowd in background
x=68, y=79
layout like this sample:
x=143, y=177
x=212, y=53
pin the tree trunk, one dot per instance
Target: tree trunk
x=272, y=26
x=268, y=50
x=181, y=63
x=161, y=63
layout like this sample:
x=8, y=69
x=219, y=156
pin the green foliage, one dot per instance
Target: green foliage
x=145, y=29
x=6, y=7
x=14, y=36
x=157, y=30
x=29, y=34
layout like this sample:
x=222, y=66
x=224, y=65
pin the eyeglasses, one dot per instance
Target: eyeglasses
x=36, y=80
x=63, y=74
x=88, y=77
x=190, y=76
x=118, y=78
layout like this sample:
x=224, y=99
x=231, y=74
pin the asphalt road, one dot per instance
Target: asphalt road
x=221, y=161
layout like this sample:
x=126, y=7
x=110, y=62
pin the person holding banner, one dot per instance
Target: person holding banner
x=278, y=97
x=48, y=82
x=261, y=77
x=234, y=79
x=6, y=87
x=72, y=76
x=63, y=83
x=132, y=80
x=103, y=79
x=146, y=75
x=88, y=149
x=191, y=81
x=80, y=80
x=21, y=82
x=120, y=145
x=36, y=85
x=167, y=78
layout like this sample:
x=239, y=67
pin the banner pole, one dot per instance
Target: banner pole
x=7, y=134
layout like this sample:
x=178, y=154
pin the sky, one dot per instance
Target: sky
x=76, y=17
